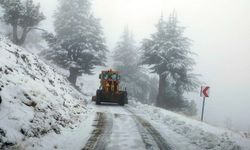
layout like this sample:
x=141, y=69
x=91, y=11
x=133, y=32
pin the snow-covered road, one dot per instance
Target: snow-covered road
x=138, y=127
x=142, y=127
x=118, y=128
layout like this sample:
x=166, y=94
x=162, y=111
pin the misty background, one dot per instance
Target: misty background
x=220, y=33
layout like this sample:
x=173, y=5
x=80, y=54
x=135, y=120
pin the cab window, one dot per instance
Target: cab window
x=114, y=77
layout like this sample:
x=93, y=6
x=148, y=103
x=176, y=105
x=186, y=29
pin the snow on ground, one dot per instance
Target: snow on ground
x=69, y=139
x=186, y=133
x=124, y=134
x=36, y=102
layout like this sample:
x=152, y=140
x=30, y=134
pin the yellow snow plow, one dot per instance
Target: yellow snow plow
x=109, y=90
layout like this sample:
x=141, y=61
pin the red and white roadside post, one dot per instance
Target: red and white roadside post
x=204, y=93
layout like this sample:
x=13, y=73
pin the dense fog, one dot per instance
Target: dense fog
x=220, y=36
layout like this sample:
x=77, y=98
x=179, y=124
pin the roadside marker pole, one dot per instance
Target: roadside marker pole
x=203, y=105
x=204, y=93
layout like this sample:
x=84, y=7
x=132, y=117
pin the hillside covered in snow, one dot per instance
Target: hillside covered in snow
x=35, y=99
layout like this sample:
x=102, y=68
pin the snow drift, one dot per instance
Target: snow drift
x=35, y=99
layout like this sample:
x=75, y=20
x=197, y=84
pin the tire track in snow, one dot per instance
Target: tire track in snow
x=101, y=134
x=147, y=131
x=100, y=138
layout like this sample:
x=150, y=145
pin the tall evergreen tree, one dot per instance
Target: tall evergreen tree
x=79, y=44
x=22, y=16
x=169, y=55
x=125, y=56
x=126, y=60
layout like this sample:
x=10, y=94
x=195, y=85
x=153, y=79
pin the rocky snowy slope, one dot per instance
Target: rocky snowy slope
x=35, y=99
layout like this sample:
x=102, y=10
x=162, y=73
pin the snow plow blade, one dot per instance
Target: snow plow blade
x=119, y=98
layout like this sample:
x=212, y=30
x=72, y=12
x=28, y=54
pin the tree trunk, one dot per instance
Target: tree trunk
x=73, y=75
x=161, y=91
x=15, y=38
x=23, y=37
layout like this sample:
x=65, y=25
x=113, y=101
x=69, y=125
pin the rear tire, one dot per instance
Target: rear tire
x=121, y=103
x=122, y=99
x=126, y=97
x=98, y=97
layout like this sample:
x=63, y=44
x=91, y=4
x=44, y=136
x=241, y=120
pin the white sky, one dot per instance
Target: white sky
x=220, y=30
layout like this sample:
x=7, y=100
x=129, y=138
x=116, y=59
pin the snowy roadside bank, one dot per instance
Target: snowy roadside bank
x=72, y=138
x=36, y=100
x=186, y=133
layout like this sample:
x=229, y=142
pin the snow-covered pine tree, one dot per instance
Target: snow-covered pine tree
x=169, y=55
x=126, y=61
x=22, y=16
x=79, y=44
x=125, y=56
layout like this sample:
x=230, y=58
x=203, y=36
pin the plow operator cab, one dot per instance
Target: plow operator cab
x=109, y=90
